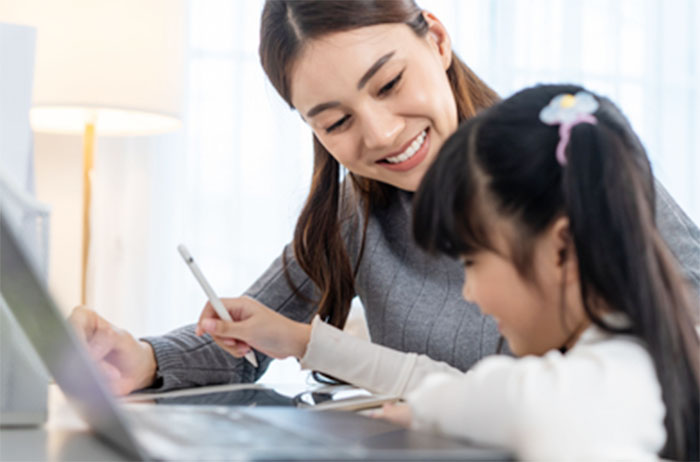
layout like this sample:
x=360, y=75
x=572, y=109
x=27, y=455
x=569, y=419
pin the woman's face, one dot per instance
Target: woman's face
x=536, y=315
x=378, y=99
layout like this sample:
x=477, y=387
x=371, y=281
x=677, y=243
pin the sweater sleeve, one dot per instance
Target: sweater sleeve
x=185, y=360
x=374, y=367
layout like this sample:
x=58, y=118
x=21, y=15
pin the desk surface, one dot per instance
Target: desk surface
x=39, y=444
x=66, y=437
x=63, y=437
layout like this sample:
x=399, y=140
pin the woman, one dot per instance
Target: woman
x=381, y=89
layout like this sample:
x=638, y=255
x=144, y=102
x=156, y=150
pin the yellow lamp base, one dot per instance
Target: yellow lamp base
x=88, y=163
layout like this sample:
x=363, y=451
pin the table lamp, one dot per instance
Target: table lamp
x=104, y=67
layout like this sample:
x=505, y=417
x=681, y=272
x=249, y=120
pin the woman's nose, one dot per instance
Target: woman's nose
x=381, y=127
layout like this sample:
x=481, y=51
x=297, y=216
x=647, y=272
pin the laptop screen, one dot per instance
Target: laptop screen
x=55, y=342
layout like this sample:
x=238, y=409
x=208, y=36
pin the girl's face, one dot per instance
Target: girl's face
x=534, y=316
x=378, y=99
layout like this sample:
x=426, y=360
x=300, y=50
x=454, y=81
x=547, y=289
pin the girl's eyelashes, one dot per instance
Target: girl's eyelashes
x=389, y=86
x=467, y=261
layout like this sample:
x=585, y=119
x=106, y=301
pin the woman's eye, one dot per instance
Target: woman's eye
x=386, y=88
x=338, y=124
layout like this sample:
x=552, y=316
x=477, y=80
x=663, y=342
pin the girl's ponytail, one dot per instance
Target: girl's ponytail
x=609, y=198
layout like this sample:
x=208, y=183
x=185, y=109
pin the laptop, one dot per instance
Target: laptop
x=196, y=431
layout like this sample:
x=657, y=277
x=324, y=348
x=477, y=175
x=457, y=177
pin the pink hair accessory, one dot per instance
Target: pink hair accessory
x=567, y=111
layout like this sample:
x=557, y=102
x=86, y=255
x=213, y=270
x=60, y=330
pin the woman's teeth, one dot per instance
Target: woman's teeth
x=410, y=151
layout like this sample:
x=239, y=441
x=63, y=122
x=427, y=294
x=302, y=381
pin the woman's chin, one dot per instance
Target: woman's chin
x=410, y=181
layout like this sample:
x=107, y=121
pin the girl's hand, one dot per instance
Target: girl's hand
x=398, y=413
x=254, y=326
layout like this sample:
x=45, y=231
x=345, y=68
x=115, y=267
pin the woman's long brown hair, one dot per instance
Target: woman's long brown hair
x=286, y=26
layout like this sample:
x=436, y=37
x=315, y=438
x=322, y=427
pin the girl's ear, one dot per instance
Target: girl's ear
x=438, y=35
x=564, y=251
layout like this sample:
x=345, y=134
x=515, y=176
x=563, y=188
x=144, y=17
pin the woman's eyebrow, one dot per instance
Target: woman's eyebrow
x=321, y=107
x=373, y=70
x=363, y=81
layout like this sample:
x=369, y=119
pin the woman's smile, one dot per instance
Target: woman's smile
x=412, y=153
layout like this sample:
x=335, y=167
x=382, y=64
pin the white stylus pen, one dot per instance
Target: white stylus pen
x=213, y=298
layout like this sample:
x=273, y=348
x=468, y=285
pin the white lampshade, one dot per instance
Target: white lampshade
x=117, y=63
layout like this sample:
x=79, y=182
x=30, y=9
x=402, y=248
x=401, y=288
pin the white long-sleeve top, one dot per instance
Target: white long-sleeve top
x=600, y=400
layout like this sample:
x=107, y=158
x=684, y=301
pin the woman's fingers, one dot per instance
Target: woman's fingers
x=207, y=312
x=230, y=342
x=111, y=372
x=232, y=346
x=239, y=308
x=102, y=343
x=97, y=334
x=227, y=329
x=83, y=321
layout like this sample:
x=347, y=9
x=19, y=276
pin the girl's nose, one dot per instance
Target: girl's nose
x=467, y=292
x=381, y=127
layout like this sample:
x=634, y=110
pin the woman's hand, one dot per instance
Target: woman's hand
x=254, y=325
x=398, y=413
x=128, y=364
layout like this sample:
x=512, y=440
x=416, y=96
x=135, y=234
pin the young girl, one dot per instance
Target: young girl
x=548, y=199
x=381, y=90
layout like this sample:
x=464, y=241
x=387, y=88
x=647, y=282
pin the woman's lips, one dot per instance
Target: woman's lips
x=416, y=159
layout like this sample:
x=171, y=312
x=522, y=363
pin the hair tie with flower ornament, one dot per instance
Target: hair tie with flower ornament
x=567, y=111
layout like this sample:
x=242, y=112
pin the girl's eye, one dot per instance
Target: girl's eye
x=387, y=88
x=338, y=124
x=467, y=260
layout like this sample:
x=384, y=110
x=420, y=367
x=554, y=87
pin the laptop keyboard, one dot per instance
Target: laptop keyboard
x=213, y=427
x=213, y=433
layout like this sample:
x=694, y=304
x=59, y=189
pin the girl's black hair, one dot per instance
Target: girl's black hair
x=502, y=163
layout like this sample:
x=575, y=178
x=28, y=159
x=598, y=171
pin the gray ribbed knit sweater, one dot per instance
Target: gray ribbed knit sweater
x=413, y=302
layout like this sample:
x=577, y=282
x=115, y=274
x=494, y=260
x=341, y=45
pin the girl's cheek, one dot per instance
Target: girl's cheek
x=468, y=289
x=465, y=292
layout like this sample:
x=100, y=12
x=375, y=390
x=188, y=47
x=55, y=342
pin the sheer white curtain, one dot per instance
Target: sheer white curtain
x=249, y=156
x=232, y=183
x=643, y=54
x=229, y=186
